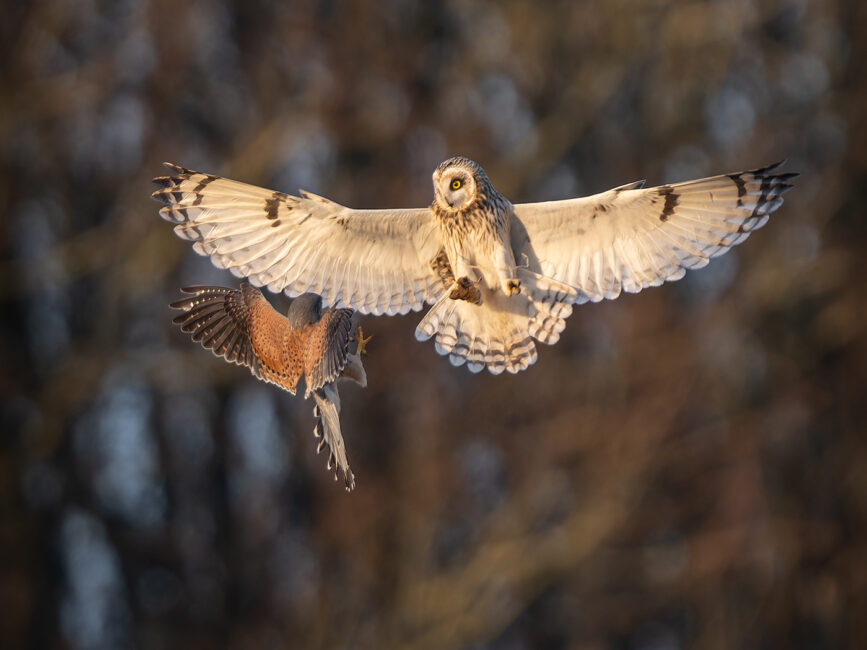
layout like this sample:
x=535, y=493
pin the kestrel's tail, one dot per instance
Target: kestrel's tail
x=499, y=334
x=327, y=430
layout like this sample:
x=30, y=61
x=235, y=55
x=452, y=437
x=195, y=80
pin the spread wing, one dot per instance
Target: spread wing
x=243, y=328
x=326, y=344
x=375, y=261
x=210, y=316
x=630, y=238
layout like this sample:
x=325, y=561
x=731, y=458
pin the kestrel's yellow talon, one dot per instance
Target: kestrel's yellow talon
x=362, y=342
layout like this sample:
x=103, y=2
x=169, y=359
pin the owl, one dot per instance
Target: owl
x=498, y=276
x=242, y=327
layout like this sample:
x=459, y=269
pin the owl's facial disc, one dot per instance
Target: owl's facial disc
x=456, y=188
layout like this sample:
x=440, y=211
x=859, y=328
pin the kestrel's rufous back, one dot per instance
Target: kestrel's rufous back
x=242, y=327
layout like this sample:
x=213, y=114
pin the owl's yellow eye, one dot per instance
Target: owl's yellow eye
x=456, y=184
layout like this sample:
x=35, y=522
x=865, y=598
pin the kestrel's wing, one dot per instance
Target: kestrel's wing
x=207, y=317
x=376, y=261
x=630, y=238
x=325, y=347
x=242, y=327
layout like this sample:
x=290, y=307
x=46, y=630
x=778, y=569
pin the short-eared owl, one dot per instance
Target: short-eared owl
x=498, y=275
x=242, y=327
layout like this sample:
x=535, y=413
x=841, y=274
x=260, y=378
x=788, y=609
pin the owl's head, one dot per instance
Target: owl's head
x=305, y=310
x=457, y=182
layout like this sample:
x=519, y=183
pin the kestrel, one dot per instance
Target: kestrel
x=241, y=326
x=498, y=275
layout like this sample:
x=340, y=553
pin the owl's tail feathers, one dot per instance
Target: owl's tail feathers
x=499, y=333
x=327, y=431
x=489, y=334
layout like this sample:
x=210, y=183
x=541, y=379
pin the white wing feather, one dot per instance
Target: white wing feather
x=375, y=261
x=630, y=238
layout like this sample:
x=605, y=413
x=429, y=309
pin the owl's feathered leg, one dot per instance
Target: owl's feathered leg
x=327, y=429
x=504, y=262
x=467, y=279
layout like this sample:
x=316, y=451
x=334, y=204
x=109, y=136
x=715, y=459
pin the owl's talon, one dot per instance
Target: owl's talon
x=362, y=342
x=514, y=286
x=464, y=289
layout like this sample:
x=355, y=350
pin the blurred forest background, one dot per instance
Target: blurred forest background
x=687, y=468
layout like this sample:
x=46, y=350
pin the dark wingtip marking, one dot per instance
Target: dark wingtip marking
x=767, y=184
x=742, y=186
x=175, y=168
x=197, y=190
x=272, y=204
x=636, y=185
x=770, y=168
x=671, y=199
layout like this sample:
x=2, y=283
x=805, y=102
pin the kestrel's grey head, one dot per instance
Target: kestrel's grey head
x=305, y=310
x=458, y=182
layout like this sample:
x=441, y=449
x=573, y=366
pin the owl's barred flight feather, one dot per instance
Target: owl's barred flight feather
x=498, y=275
x=241, y=326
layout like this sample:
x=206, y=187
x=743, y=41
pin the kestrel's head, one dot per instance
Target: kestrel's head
x=458, y=182
x=305, y=310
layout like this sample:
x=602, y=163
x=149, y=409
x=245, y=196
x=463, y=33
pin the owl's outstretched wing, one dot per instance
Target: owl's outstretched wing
x=375, y=261
x=630, y=238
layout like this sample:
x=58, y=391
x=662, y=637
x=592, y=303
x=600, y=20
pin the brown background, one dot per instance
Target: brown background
x=687, y=468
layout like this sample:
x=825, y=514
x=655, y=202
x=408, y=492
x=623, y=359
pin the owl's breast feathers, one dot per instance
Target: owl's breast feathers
x=485, y=220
